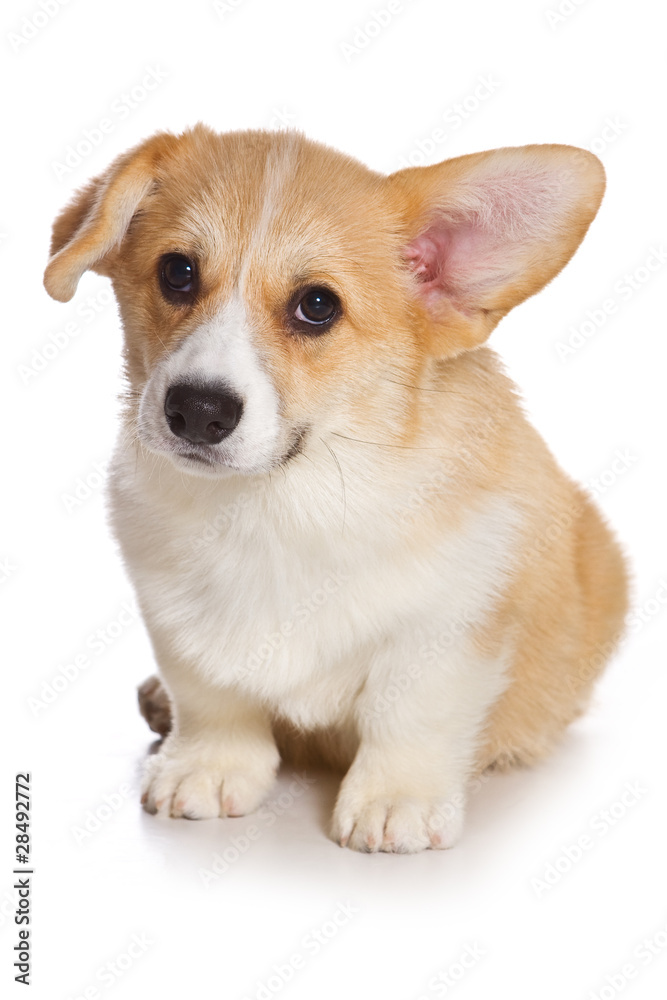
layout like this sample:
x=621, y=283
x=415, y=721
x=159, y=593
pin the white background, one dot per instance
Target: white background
x=557, y=78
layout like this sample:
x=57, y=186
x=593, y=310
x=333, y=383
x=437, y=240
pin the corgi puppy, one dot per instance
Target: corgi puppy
x=347, y=542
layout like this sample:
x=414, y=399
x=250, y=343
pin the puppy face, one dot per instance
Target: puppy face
x=255, y=305
x=273, y=291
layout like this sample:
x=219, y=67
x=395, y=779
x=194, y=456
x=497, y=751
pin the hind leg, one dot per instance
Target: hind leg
x=330, y=748
x=154, y=705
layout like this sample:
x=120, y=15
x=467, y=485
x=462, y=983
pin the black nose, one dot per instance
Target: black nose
x=201, y=414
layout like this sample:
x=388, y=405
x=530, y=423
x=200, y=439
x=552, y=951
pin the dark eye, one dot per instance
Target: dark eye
x=317, y=307
x=177, y=275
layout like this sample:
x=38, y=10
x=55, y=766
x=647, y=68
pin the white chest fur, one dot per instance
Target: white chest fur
x=258, y=584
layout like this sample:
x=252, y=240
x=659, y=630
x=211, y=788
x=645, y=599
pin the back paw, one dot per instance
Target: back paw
x=154, y=705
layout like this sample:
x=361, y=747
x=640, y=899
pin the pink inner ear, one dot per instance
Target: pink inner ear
x=450, y=261
x=493, y=230
x=426, y=255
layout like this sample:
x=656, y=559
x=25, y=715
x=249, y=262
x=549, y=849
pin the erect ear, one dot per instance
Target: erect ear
x=97, y=218
x=486, y=231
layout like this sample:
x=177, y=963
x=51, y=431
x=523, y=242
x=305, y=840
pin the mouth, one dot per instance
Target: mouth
x=190, y=455
x=204, y=459
x=298, y=439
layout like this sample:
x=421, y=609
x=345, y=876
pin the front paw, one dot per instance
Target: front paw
x=198, y=781
x=396, y=823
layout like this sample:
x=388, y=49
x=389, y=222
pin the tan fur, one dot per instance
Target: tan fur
x=267, y=214
x=569, y=598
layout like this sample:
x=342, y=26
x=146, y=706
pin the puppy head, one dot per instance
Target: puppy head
x=274, y=291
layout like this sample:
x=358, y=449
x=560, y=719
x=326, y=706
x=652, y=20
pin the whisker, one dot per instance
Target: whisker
x=421, y=388
x=342, y=480
x=381, y=444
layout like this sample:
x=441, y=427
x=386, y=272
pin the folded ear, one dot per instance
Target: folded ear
x=486, y=231
x=97, y=218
